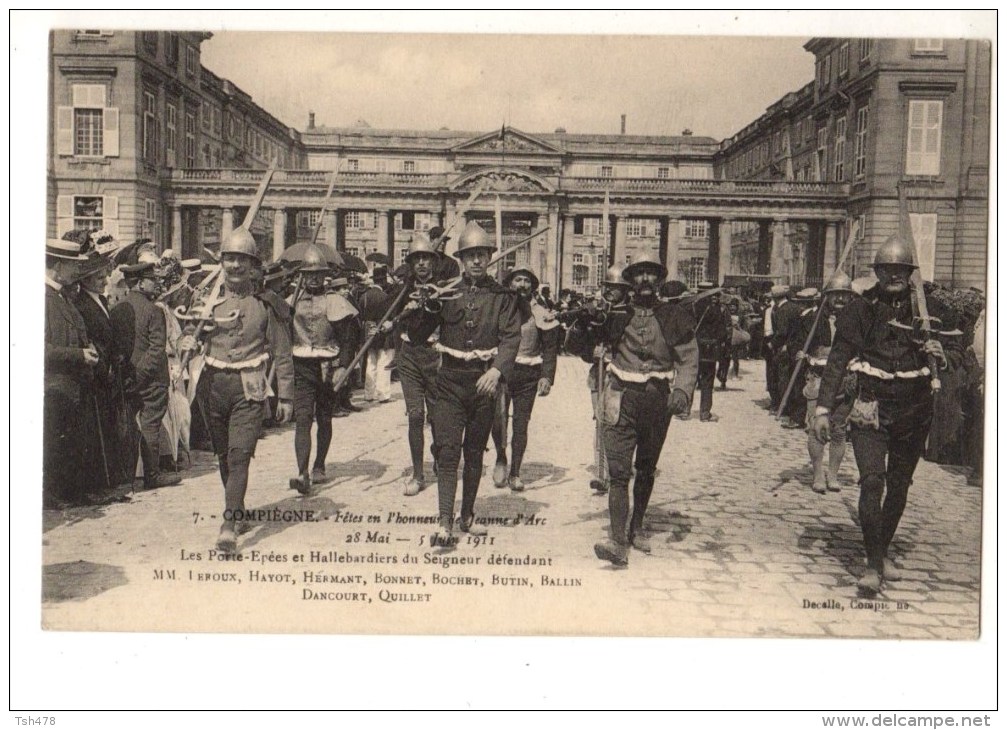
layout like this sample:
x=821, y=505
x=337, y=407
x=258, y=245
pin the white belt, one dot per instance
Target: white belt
x=859, y=366
x=631, y=377
x=324, y=353
x=817, y=362
x=223, y=365
x=468, y=355
x=528, y=360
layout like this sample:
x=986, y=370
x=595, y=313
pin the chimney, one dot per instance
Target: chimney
x=623, y=125
x=560, y=130
x=311, y=120
x=686, y=132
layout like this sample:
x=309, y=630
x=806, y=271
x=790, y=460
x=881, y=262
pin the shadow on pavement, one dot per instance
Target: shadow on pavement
x=342, y=472
x=79, y=581
x=669, y=522
x=323, y=508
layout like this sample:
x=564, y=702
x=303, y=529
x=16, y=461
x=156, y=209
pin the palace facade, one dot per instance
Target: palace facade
x=147, y=142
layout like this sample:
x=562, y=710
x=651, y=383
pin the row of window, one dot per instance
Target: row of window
x=824, y=64
x=90, y=128
x=588, y=225
x=151, y=41
x=923, y=145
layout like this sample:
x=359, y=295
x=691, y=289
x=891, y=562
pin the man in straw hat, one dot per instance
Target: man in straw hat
x=69, y=364
x=651, y=378
x=480, y=333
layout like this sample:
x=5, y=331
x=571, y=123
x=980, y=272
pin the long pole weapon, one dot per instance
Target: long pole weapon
x=402, y=294
x=204, y=319
x=850, y=240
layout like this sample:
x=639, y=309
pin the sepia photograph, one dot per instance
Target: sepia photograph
x=511, y=331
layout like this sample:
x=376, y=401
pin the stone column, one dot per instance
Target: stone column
x=566, y=279
x=552, y=253
x=330, y=224
x=778, y=256
x=226, y=223
x=831, y=249
x=279, y=231
x=384, y=240
x=763, y=264
x=724, y=252
x=673, y=232
x=176, y=230
x=619, y=247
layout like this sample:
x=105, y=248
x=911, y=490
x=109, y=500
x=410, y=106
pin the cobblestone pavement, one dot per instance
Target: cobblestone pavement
x=742, y=546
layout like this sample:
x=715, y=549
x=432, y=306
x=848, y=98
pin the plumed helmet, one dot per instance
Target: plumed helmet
x=241, y=241
x=896, y=250
x=421, y=244
x=527, y=272
x=473, y=237
x=839, y=282
x=613, y=276
x=313, y=259
x=645, y=260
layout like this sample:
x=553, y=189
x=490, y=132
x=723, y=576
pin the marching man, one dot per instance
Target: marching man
x=243, y=335
x=534, y=374
x=480, y=333
x=322, y=350
x=651, y=378
x=891, y=416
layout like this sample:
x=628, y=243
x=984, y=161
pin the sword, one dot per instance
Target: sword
x=600, y=483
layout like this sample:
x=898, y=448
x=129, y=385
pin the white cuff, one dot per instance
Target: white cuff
x=821, y=411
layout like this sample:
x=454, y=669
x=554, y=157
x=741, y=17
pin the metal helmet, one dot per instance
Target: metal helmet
x=421, y=244
x=473, y=237
x=839, y=282
x=645, y=259
x=313, y=260
x=241, y=241
x=895, y=251
x=613, y=276
x=527, y=272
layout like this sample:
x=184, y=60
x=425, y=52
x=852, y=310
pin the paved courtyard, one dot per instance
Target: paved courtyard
x=742, y=546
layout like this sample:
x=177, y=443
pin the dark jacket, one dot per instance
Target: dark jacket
x=99, y=331
x=713, y=330
x=139, y=326
x=484, y=317
x=863, y=331
x=677, y=326
x=66, y=372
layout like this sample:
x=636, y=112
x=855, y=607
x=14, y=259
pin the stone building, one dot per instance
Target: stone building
x=148, y=142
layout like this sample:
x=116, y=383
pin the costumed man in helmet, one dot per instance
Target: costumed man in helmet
x=785, y=319
x=480, y=333
x=616, y=292
x=322, y=349
x=139, y=325
x=533, y=375
x=232, y=387
x=893, y=410
x=69, y=364
x=713, y=336
x=838, y=294
x=417, y=363
x=651, y=378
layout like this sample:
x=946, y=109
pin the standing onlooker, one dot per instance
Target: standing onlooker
x=70, y=359
x=140, y=326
